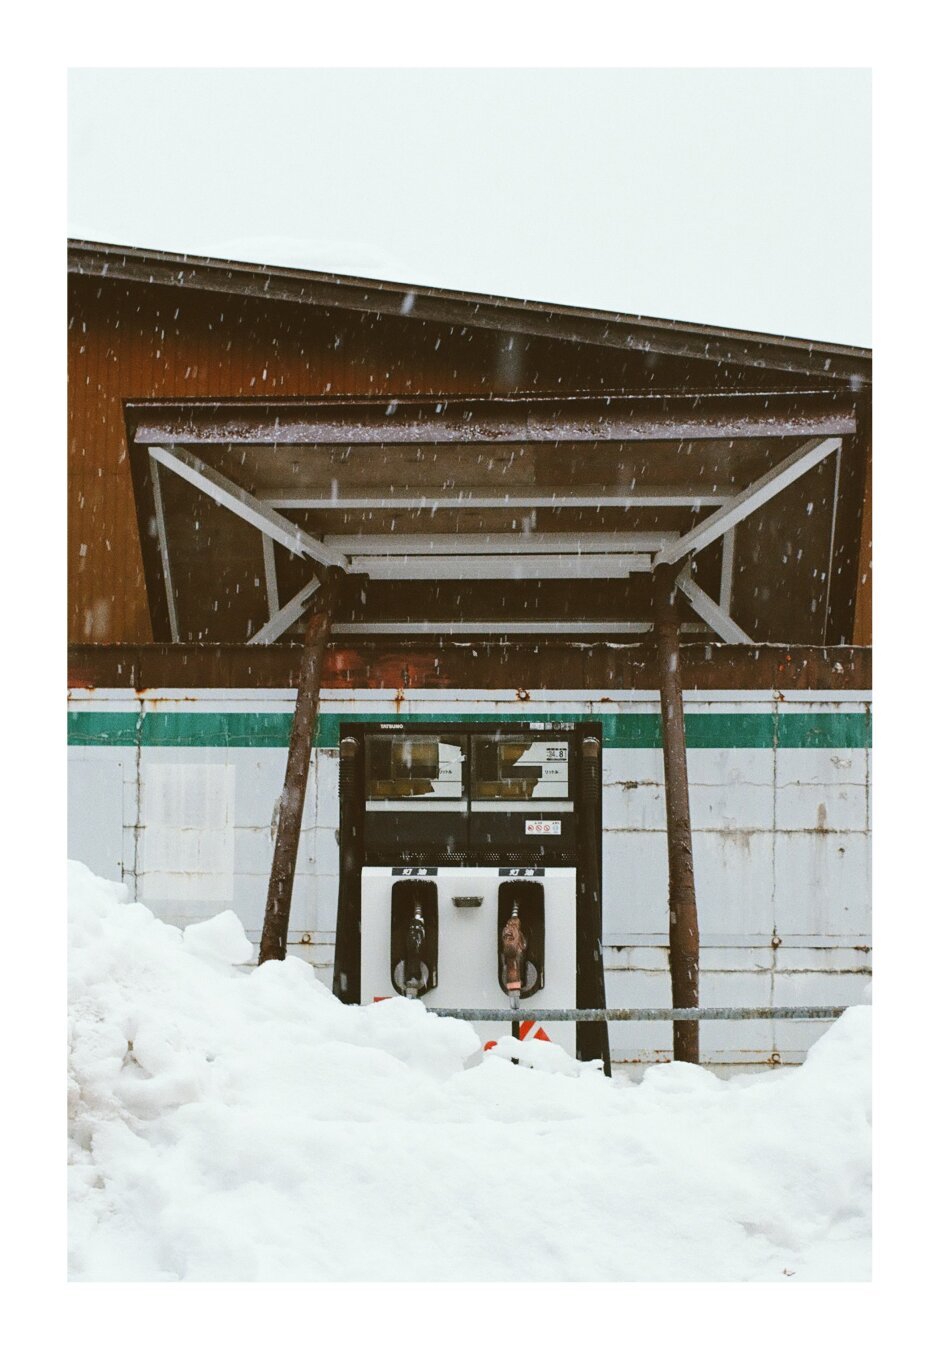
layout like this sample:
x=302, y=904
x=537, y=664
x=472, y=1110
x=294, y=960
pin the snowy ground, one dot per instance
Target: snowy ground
x=227, y=1125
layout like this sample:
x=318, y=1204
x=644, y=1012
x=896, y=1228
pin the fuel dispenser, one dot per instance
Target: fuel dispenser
x=470, y=870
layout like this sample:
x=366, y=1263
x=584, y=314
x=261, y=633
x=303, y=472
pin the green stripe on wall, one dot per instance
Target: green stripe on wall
x=810, y=731
x=103, y=728
x=622, y=731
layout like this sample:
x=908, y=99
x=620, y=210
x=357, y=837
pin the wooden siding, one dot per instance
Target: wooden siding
x=863, y=605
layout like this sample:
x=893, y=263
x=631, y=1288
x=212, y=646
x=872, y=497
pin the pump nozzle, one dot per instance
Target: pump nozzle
x=415, y=970
x=512, y=949
x=413, y=937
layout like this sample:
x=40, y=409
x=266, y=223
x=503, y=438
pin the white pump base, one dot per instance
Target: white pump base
x=468, y=943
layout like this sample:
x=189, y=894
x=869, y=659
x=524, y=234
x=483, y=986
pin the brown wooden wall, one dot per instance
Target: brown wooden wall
x=863, y=604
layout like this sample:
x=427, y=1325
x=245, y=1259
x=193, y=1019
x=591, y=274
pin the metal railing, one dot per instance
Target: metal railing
x=639, y=1014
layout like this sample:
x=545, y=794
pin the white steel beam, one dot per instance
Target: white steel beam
x=287, y=615
x=806, y=457
x=443, y=545
x=484, y=499
x=270, y=575
x=832, y=541
x=713, y=614
x=504, y=567
x=243, y=504
x=501, y=627
x=160, y=516
x=727, y=571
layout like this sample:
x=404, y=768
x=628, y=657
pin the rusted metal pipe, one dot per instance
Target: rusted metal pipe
x=284, y=862
x=683, y=913
x=593, y=1042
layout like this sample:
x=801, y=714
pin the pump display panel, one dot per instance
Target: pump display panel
x=415, y=796
x=500, y=794
x=518, y=768
x=402, y=768
x=521, y=797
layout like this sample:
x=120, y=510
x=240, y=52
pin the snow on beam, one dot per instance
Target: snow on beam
x=286, y=616
x=713, y=614
x=243, y=504
x=526, y=420
x=806, y=457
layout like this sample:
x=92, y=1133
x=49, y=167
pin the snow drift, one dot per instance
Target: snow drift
x=228, y=1124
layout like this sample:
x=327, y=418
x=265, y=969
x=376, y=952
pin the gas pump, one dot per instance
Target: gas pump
x=470, y=870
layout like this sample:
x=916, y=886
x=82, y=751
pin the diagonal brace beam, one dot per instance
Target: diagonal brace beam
x=717, y=618
x=804, y=458
x=270, y=575
x=160, y=516
x=288, y=614
x=248, y=507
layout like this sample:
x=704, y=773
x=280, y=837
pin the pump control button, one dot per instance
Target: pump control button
x=468, y=901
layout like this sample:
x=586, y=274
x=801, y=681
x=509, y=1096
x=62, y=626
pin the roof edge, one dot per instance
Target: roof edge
x=731, y=346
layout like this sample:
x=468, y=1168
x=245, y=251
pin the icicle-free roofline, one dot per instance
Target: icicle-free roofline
x=730, y=346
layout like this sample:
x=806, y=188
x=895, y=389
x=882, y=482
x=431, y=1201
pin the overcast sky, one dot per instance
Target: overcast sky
x=738, y=198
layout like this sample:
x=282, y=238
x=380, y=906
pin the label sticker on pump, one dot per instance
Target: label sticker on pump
x=543, y=827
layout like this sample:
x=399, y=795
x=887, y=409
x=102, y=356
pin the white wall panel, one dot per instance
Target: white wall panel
x=184, y=849
x=186, y=790
x=636, y=885
x=259, y=778
x=823, y=884
x=639, y=989
x=185, y=897
x=734, y=883
x=817, y=806
x=96, y=812
x=830, y=766
x=821, y=988
x=735, y=989
x=732, y=806
x=729, y=767
x=794, y=957
x=629, y=806
x=326, y=788
x=186, y=836
x=631, y=766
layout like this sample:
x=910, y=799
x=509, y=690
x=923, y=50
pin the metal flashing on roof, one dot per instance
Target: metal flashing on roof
x=716, y=345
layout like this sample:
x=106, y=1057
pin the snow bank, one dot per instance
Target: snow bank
x=244, y=1125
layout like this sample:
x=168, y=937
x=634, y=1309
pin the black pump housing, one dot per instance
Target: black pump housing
x=519, y=795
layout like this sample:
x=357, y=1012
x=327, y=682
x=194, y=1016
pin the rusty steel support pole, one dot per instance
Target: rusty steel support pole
x=283, y=865
x=683, y=914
